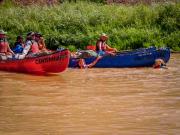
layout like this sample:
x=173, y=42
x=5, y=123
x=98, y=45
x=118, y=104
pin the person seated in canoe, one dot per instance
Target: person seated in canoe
x=5, y=50
x=41, y=43
x=102, y=48
x=19, y=45
x=31, y=48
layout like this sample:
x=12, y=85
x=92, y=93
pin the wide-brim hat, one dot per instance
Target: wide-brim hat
x=30, y=33
x=104, y=35
x=2, y=32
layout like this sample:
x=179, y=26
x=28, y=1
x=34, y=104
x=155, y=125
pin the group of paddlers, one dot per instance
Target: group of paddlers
x=33, y=45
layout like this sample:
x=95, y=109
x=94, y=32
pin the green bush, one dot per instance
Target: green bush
x=75, y=25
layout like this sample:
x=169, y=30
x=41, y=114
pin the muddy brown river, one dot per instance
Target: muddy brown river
x=128, y=101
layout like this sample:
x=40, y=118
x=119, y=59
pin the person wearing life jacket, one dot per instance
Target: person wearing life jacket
x=102, y=48
x=5, y=50
x=19, y=45
x=31, y=48
x=41, y=43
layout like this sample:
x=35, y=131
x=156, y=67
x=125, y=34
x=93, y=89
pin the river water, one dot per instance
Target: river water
x=129, y=101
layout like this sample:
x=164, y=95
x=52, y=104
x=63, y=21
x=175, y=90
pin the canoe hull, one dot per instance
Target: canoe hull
x=51, y=63
x=138, y=58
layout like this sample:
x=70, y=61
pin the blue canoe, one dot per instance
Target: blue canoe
x=143, y=57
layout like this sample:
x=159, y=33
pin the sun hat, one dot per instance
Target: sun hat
x=104, y=35
x=2, y=32
x=30, y=33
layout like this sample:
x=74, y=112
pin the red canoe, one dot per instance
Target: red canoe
x=51, y=63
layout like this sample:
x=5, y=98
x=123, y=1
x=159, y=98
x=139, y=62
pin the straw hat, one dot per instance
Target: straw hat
x=104, y=35
x=2, y=32
x=30, y=33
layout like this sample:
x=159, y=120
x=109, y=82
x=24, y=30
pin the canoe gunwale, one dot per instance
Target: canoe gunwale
x=32, y=58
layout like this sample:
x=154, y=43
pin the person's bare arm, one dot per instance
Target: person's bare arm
x=94, y=62
x=9, y=50
x=110, y=48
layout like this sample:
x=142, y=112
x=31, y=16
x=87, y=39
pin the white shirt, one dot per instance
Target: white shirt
x=25, y=50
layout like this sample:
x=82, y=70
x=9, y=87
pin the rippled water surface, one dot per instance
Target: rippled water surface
x=129, y=101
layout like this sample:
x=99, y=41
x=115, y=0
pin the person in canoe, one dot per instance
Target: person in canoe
x=31, y=48
x=5, y=50
x=19, y=45
x=41, y=43
x=102, y=48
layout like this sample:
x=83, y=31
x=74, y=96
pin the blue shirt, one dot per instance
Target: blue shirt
x=18, y=48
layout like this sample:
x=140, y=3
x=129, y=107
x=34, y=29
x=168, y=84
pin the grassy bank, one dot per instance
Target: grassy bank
x=75, y=25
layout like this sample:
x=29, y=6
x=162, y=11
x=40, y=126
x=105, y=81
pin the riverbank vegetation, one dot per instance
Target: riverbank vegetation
x=75, y=25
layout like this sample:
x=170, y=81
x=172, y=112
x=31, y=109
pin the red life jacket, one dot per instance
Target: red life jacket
x=103, y=46
x=3, y=47
x=35, y=47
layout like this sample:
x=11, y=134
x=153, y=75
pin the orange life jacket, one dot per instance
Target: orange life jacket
x=4, y=47
x=35, y=48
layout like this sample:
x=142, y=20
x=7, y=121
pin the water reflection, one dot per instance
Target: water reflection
x=138, y=101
